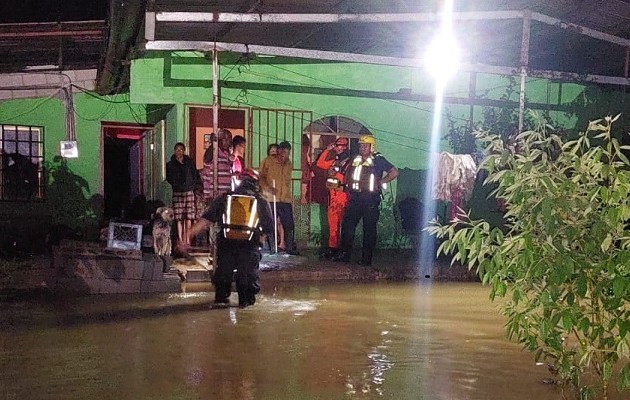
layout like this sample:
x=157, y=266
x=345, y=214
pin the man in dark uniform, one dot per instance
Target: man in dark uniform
x=242, y=215
x=364, y=180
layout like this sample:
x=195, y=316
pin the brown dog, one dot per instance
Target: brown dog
x=162, y=231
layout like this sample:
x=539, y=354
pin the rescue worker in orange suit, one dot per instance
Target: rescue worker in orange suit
x=334, y=159
x=243, y=215
x=364, y=180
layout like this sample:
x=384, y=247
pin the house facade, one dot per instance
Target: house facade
x=87, y=156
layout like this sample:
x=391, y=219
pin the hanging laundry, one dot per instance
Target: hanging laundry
x=454, y=180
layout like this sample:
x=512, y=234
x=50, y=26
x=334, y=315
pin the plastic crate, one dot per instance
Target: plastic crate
x=124, y=236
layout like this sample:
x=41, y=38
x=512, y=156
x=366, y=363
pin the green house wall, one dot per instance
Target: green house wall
x=73, y=185
x=395, y=103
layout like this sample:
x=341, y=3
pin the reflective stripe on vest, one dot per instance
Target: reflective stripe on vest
x=240, y=219
x=363, y=175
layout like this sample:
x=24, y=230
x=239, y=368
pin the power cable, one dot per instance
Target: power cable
x=39, y=104
x=267, y=135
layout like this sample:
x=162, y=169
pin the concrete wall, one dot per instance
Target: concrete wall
x=42, y=84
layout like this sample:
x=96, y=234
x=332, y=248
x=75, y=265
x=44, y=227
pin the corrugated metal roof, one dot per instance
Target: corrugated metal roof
x=488, y=41
x=46, y=46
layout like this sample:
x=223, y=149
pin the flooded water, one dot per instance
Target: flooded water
x=358, y=341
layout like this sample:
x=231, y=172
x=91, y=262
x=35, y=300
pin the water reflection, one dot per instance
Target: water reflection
x=376, y=341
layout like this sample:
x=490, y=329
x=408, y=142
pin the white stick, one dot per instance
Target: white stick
x=275, y=216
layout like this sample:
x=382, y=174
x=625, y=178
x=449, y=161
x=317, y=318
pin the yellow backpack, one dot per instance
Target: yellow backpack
x=240, y=219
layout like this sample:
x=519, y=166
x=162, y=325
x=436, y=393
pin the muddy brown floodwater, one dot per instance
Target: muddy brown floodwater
x=339, y=341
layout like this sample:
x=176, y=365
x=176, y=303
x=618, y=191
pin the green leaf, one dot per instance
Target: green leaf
x=607, y=370
x=581, y=286
x=619, y=286
x=567, y=321
x=624, y=378
x=570, y=299
x=606, y=243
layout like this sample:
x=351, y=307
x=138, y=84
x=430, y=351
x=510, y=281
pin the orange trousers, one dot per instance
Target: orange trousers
x=336, y=208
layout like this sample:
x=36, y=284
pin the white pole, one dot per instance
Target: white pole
x=275, y=216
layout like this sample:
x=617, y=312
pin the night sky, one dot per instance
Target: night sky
x=14, y=11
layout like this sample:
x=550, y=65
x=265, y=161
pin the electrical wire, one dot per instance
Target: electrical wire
x=400, y=103
x=96, y=96
x=323, y=116
x=304, y=120
x=44, y=100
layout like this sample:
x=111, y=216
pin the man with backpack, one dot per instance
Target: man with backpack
x=242, y=216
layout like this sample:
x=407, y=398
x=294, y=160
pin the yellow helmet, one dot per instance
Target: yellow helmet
x=368, y=139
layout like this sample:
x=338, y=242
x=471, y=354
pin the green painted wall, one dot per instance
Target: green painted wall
x=72, y=196
x=402, y=127
x=394, y=103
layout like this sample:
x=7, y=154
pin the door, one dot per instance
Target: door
x=124, y=171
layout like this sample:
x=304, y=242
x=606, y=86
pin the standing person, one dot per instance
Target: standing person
x=224, y=171
x=305, y=167
x=279, y=170
x=335, y=159
x=319, y=192
x=238, y=155
x=272, y=153
x=364, y=179
x=224, y=167
x=184, y=178
x=242, y=215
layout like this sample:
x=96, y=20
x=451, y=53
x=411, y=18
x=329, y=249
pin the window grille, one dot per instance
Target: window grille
x=21, y=162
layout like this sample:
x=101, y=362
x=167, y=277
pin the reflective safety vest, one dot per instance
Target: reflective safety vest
x=240, y=219
x=335, y=174
x=362, y=175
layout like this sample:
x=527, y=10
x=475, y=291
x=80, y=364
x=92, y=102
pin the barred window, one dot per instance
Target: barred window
x=21, y=162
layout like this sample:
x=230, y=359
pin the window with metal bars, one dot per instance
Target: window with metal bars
x=21, y=162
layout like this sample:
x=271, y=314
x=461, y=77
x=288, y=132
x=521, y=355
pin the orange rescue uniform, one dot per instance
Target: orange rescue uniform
x=338, y=198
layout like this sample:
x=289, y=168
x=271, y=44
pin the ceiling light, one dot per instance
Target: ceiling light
x=442, y=56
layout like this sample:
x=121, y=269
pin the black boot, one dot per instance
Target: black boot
x=222, y=293
x=342, y=256
x=364, y=262
x=289, y=239
x=246, y=298
x=327, y=254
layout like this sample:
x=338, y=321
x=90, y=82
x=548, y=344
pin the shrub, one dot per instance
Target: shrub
x=562, y=261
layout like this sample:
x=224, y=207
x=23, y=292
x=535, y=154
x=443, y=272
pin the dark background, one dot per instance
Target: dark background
x=15, y=11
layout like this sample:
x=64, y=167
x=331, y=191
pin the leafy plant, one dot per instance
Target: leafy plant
x=501, y=120
x=562, y=261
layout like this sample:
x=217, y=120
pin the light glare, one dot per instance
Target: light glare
x=442, y=57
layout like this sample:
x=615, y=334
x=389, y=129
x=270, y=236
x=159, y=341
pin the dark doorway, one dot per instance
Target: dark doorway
x=123, y=174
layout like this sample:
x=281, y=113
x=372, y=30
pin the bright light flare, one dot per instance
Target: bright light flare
x=442, y=56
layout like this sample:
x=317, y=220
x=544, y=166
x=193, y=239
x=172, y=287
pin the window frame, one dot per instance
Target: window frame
x=38, y=159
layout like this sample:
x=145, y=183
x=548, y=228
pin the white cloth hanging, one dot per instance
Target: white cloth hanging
x=453, y=173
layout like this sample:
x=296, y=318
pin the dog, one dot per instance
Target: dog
x=162, y=220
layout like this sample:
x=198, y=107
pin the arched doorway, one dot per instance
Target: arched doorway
x=325, y=130
x=321, y=133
